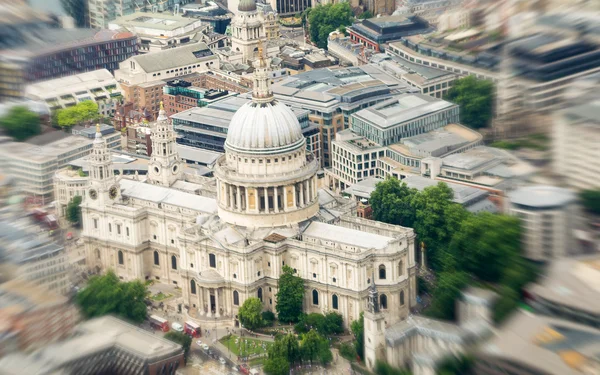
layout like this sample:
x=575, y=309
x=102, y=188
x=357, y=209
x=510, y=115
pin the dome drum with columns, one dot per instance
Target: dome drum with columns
x=266, y=176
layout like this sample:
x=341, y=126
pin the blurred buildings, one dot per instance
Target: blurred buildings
x=31, y=317
x=105, y=345
x=102, y=12
x=375, y=32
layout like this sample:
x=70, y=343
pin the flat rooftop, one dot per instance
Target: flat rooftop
x=542, y=196
x=44, y=153
x=347, y=236
x=159, y=21
x=401, y=109
x=437, y=142
x=174, y=57
x=551, y=346
x=97, y=79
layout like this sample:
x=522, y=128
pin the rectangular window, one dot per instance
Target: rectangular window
x=118, y=228
x=127, y=231
x=109, y=227
x=95, y=223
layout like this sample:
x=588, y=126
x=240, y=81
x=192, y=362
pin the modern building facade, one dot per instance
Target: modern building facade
x=374, y=32
x=548, y=215
x=98, y=86
x=102, y=12
x=180, y=95
x=266, y=215
x=160, y=31
x=212, y=13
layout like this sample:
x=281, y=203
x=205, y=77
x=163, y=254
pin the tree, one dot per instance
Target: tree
x=366, y=15
x=182, y=339
x=74, y=210
x=333, y=324
x=85, y=111
x=392, y=202
x=277, y=366
x=289, y=296
x=315, y=347
x=475, y=98
x=358, y=330
x=437, y=218
x=590, y=199
x=448, y=290
x=486, y=245
x=348, y=351
x=106, y=294
x=20, y=123
x=383, y=368
x=268, y=318
x=250, y=313
x=286, y=346
x=323, y=19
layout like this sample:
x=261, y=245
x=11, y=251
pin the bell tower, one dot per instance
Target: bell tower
x=103, y=183
x=165, y=167
x=374, y=328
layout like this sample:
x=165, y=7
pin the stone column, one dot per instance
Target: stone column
x=239, y=198
x=307, y=190
x=217, y=303
x=208, y=312
x=201, y=299
x=301, y=194
x=284, y=198
x=266, y=199
x=275, y=198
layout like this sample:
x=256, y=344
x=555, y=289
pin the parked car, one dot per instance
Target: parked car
x=199, y=343
x=177, y=327
x=222, y=361
x=205, y=347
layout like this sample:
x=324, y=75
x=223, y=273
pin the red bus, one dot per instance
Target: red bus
x=192, y=329
x=159, y=323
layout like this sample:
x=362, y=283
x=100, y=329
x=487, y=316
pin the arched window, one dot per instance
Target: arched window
x=315, y=297
x=120, y=257
x=382, y=272
x=193, y=287
x=334, y=302
x=236, y=298
x=173, y=262
x=383, y=301
x=97, y=253
x=212, y=260
x=400, y=268
x=156, y=259
x=259, y=294
x=402, y=298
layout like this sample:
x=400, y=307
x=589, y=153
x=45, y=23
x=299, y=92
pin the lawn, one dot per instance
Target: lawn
x=160, y=296
x=243, y=346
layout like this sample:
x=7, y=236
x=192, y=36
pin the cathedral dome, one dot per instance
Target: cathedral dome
x=247, y=6
x=264, y=128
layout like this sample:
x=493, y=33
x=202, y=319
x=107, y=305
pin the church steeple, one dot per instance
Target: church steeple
x=165, y=166
x=101, y=173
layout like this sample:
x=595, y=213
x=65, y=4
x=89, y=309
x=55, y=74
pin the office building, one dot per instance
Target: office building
x=207, y=127
x=53, y=53
x=374, y=32
x=267, y=200
x=430, y=81
x=160, y=31
x=531, y=344
x=180, y=95
x=102, y=12
x=211, y=13
x=32, y=317
x=576, y=135
x=333, y=95
x=346, y=50
x=98, y=86
x=105, y=345
x=549, y=217
x=32, y=164
x=142, y=77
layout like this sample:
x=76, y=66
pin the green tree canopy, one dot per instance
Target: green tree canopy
x=476, y=100
x=286, y=346
x=20, y=123
x=250, y=313
x=106, y=294
x=366, y=15
x=182, y=339
x=289, y=296
x=277, y=366
x=487, y=245
x=590, y=199
x=315, y=348
x=358, y=330
x=323, y=19
x=383, y=368
x=73, y=212
x=392, y=202
x=446, y=293
x=82, y=112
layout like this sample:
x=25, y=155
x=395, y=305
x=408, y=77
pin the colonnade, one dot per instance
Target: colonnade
x=271, y=199
x=209, y=303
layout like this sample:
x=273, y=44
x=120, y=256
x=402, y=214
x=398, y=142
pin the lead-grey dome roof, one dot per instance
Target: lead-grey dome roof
x=267, y=128
x=247, y=6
